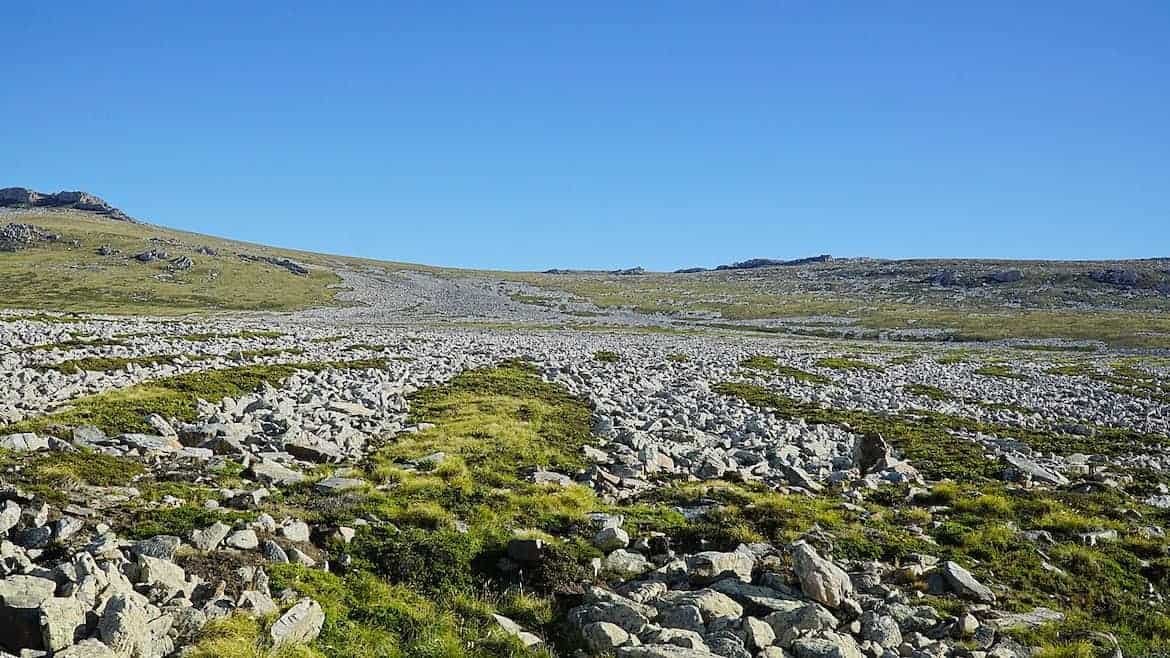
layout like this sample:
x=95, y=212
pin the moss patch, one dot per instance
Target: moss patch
x=765, y=363
x=605, y=356
x=998, y=370
x=843, y=363
x=110, y=363
x=927, y=391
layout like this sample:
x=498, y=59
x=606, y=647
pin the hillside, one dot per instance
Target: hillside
x=73, y=252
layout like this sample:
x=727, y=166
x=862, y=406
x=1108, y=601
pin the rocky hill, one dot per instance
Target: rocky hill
x=22, y=197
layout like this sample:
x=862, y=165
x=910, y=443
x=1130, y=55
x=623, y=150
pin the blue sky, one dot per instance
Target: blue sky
x=528, y=135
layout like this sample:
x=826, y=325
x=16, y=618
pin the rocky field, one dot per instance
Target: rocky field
x=217, y=449
x=307, y=486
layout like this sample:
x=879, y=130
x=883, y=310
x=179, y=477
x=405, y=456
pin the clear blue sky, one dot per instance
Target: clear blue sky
x=606, y=134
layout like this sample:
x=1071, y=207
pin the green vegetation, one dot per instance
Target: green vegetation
x=606, y=356
x=241, y=335
x=769, y=364
x=534, y=300
x=494, y=425
x=1124, y=377
x=243, y=636
x=268, y=352
x=74, y=343
x=369, y=618
x=52, y=475
x=739, y=297
x=678, y=358
x=1100, y=588
x=145, y=522
x=842, y=363
x=364, y=347
x=998, y=370
x=928, y=438
x=953, y=357
x=927, y=391
x=45, y=318
x=60, y=277
x=111, y=363
x=327, y=339
x=1073, y=370
x=425, y=577
x=1042, y=347
x=759, y=362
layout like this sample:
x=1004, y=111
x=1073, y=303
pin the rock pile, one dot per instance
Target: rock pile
x=316, y=417
x=763, y=601
x=111, y=598
x=14, y=237
x=290, y=265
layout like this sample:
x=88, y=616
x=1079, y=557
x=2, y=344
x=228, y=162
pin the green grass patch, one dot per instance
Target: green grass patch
x=365, y=617
x=494, y=425
x=498, y=421
x=844, y=363
x=365, y=347
x=998, y=370
x=243, y=636
x=73, y=344
x=534, y=300
x=240, y=335
x=1041, y=347
x=112, y=363
x=146, y=522
x=268, y=353
x=52, y=475
x=1073, y=370
x=765, y=363
x=927, y=391
x=605, y=356
x=954, y=357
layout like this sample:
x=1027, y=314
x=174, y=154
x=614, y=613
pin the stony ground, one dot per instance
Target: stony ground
x=317, y=485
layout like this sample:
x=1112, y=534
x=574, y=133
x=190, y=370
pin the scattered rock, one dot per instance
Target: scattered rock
x=301, y=624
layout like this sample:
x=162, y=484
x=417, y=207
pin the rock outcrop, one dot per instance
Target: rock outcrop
x=22, y=197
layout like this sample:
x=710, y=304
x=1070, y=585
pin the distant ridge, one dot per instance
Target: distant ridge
x=755, y=263
x=22, y=197
x=629, y=271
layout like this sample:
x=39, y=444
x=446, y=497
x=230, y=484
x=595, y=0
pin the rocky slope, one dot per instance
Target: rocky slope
x=22, y=197
x=196, y=487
